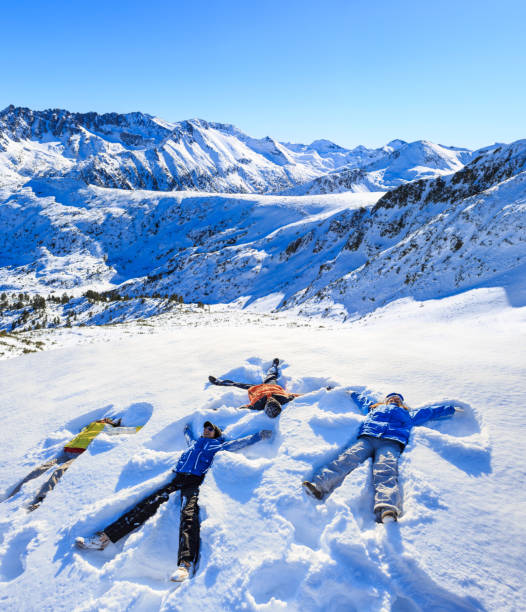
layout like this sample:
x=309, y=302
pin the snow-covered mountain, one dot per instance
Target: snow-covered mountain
x=343, y=254
x=431, y=238
x=138, y=151
x=385, y=169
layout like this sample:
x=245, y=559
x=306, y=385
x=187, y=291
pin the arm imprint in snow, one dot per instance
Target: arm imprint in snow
x=239, y=443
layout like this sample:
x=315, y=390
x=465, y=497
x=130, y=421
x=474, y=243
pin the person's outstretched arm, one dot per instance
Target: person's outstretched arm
x=419, y=417
x=237, y=444
x=189, y=434
x=362, y=401
x=117, y=431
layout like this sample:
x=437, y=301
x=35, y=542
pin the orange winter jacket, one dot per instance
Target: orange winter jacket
x=258, y=392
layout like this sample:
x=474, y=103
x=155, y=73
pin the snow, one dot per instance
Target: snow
x=265, y=546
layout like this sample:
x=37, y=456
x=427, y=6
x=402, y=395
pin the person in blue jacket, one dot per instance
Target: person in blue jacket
x=189, y=474
x=382, y=436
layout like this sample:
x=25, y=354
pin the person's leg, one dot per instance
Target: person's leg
x=147, y=507
x=34, y=474
x=272, y=374
x=189, y=526
x=140, y=513
x=385, y=478
x=229, y=383
x=333, y=474
x=64, y=462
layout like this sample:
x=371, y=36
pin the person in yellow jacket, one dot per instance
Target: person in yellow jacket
x=71, y=451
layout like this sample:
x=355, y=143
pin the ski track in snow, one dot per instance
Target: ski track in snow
x=265, y=545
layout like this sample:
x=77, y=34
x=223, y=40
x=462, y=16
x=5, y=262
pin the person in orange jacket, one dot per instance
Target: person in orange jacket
x=267, y=396
x=71, y=451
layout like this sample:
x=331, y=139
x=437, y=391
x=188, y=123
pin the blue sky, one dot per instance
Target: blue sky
x=353, y=71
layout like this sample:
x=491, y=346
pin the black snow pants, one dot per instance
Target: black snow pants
x=188, y=484
x=271, y=377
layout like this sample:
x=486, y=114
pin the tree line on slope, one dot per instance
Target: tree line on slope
x=25, y=312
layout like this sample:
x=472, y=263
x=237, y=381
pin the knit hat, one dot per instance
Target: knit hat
x=395, y=395
x=272, y=408
x=217, y=432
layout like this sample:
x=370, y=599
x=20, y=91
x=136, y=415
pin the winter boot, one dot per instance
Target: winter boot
x=97, y=542
x=275, y=361
x=388, y=516
x=182, y=573
x=312, y=490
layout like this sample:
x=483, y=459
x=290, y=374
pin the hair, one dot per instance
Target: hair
x=217, y=431
x=384, y=403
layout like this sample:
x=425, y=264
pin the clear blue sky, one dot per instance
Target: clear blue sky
x=352, y=71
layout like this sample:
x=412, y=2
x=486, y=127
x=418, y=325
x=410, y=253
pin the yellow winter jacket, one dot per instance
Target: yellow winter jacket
x=81, y=442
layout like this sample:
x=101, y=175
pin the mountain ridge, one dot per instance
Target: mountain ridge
x=140, y=151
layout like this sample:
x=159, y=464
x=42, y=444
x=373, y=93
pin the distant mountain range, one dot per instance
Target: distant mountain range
x=100, y=202
x=138, y=151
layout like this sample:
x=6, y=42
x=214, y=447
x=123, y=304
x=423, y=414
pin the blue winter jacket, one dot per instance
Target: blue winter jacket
x=198, y=458
x=393, y=422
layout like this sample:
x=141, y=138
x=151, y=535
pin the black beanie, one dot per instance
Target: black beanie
x=272, y=408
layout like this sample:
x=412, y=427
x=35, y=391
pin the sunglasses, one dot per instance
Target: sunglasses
x=209, y=428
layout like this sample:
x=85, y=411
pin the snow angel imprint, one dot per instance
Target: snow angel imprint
x=189, y=474
x=267, y=396
x=383, y=436
x=71, y=451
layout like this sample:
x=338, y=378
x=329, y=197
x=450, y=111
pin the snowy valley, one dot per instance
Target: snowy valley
x=422, y=225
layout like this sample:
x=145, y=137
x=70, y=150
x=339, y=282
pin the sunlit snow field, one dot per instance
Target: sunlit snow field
x=459, y=545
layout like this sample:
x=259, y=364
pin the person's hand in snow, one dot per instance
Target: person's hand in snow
x=265, y=434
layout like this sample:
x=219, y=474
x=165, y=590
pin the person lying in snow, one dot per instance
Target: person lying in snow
x=382, y=436
x=71, y=451
x=267, y=396
x=189, y=474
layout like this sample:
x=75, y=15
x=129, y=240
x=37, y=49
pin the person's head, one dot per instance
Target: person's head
x=395, y=398
x=210, y=430
x=272, y=407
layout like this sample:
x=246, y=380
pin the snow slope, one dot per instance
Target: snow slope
x=208, y=247
x=265, y=546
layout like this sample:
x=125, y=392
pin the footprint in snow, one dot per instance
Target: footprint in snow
x=13, y=562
